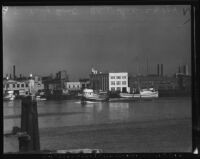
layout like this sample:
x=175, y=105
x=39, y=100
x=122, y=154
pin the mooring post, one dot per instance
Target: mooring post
x=29, y=135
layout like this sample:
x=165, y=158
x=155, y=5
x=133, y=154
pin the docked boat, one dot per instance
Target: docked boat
x=148, y=93
x=126, y=95
x=9, y=96
x=90, y=95
x=40, y=98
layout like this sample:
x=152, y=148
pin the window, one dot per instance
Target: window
x=112, y=88
x=112, y=77
x=22, y=85
x=13, y=85
x=123, y=77
x=118, y=88
x=73, y=86
x=118, y=82
x=17, y=85
x=124, y=82
x=118, y=77
x=112, y=82
x=69, y=86
x=26, y=85
x=7, y=85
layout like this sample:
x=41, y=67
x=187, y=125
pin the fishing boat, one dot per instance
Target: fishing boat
x=90, y=95
x=149, y=93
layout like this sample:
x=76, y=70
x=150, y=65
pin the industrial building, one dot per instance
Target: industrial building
x=85, y=83
x=73, y=86
x=22, y=87
x=99, y=80
x=19, y=88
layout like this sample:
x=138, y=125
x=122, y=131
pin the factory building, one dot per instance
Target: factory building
x=19, y=88
x=85, y=83
x=99, y=80
x=22, y=87
x=73, y=86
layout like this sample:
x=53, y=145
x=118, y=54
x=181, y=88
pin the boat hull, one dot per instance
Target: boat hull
x=149, y=95
x=126, y=95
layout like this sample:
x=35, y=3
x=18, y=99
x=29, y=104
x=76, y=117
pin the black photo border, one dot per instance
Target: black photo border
x=195, y=61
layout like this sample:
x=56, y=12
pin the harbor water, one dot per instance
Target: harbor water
x=71, y=115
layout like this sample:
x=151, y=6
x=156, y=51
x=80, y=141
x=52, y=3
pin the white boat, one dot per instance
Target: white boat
x=126, y=95
x=40, y=98
x=9, y=96
x=90, y=95
x=149, y=93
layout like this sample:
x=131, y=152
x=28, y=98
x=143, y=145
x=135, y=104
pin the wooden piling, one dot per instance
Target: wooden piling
x=29, y=138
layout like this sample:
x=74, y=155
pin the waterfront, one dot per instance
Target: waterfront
x=162, y=124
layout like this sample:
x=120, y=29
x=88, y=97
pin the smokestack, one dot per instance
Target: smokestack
x=161, y=70
x=14, y=72
x=158, y=70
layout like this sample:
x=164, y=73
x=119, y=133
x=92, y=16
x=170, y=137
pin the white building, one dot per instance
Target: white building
x=73, y=86
x=23, y=87
x=118, y=82
x=20, y=88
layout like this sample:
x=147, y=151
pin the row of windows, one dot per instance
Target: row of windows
x=15, y=85
x=113, y=89
x=73, y=86
x=118, y=82
x=118, y=77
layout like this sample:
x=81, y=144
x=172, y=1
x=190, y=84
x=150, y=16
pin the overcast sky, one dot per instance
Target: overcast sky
x=44, y=40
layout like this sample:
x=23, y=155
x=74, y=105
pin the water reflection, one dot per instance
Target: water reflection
x=70, y=113
x=119, y=111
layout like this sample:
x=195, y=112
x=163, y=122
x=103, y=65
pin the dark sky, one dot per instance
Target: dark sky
x=44, y=40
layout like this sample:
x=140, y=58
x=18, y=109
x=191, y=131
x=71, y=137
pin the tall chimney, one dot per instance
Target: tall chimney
x=14, y=72
x=161, y=70
x=158, y=70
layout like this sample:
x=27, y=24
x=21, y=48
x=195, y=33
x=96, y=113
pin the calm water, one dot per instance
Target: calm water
x=72, y=112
